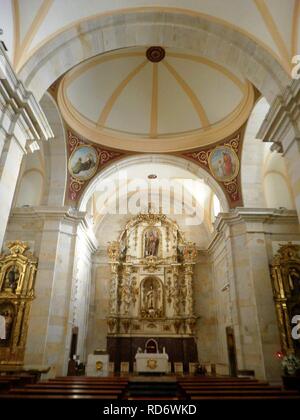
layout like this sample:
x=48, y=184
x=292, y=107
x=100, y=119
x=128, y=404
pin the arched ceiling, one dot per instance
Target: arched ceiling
x=121, y=99
x=29, y=24
x=128, y=186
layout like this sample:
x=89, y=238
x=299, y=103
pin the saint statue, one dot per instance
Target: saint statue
x=151, y=243
x=150, y=298
x=2, y=327
x=12, y=278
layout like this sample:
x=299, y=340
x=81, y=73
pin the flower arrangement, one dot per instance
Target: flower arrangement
x=290, y=364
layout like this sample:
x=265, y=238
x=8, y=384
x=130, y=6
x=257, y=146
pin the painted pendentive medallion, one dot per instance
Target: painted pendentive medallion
x=83, y=163
x=224, y=163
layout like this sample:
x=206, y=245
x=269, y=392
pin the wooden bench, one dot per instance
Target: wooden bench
x=75, y=386
x=65, y=391
x=57, y=396
x=241, y=392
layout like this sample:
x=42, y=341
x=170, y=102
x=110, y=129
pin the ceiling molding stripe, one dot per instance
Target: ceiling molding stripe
x=154, y=102
x=76, y=24
x=295, y=28
x=202, y=60
x=191, y=95
x=16, y=19
x=117, y=92
x=84, y=67
x=33, y=28
x=274, y=32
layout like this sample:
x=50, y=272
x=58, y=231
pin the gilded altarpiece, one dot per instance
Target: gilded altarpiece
x=285, y=271
x=17, y=276
x=151, y=290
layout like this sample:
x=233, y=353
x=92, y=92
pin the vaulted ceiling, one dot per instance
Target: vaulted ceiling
x=29, y=24
x=123, y=98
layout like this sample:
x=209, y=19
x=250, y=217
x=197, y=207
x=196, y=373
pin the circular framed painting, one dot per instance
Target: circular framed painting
x=224, y=163
x=83, y=163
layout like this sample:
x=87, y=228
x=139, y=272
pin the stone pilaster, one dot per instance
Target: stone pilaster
x=21, y=120
x=282, y=127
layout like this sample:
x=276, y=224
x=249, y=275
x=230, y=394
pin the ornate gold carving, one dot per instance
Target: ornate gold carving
x=113, y=251
x=177, y=324
x=151, y=363
x=112, y=323
x=154, y=292
x=17, y=275
x=99, y=365
x=285, y=274
x=151, y=263
x=189, y=252
x=126, y=324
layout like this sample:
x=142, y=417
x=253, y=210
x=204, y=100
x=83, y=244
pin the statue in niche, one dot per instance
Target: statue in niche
x=12, y=277
x=151, y=298
x=7, y=316
x=125, y=298
x=151, y=243
x=294, y=279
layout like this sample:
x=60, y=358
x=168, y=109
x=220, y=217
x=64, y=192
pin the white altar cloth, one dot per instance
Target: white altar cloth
x=152, y=362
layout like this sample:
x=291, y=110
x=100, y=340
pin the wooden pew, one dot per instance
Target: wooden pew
x=65, y=391
x=245, y=397
x=76, y=386
x=240, y=393
x=57, y=397
x=10, y=381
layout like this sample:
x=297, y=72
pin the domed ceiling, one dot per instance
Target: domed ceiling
x=154, y=99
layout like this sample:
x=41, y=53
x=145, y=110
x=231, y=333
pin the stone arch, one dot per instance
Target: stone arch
x=55, y=155
x=177, y=161
x=252, y=160
x=198, y=34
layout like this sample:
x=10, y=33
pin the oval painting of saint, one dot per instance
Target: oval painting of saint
x=224, y=163
x=83, y=163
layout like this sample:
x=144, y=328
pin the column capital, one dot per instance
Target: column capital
x=20, y=106
x=281, y=125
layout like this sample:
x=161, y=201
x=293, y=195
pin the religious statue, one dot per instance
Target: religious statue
x=294, y=279
x=150, y=298
x=151, y=243
x=6, y=321
x=12, y=278
x=2, y=327
x=125, y=298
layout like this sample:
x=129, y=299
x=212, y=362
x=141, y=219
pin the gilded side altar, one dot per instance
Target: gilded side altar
x=17, y=276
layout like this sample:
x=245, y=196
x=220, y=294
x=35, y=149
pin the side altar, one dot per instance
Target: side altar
x=151, y=291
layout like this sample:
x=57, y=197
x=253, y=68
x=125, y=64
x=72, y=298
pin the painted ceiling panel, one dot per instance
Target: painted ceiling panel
x=90, y=91
x=27, y=12
x=208, y=85
x=131, y=111
x=283, y=17
x=175, y=110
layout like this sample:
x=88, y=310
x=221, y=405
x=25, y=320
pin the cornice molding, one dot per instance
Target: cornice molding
x=281, y=124
x=20, y=105
x=225, y=221
x=75, y=218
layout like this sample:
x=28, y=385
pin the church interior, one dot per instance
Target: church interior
x=150, y=199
